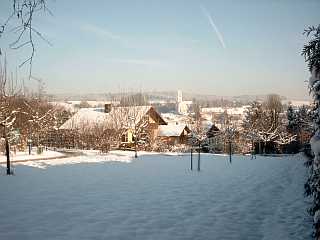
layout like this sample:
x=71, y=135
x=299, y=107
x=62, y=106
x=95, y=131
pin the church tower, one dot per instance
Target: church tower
x=179, y=98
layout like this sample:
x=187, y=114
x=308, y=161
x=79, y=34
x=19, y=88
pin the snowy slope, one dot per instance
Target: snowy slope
x=157, y=197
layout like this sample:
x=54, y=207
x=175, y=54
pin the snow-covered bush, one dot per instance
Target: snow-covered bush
x=180, y=148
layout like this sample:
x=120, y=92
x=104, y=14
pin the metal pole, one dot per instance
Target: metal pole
x=30, y=145
x=191, y=164
x=135, y=141
x=135, y=148
x=230, y=151
x=7, y=151
x=252, y=149
x=199, y=157
x=8, y=157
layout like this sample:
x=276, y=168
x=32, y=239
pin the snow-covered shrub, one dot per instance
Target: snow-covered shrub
x=160, y=146
x=2, y=145
x=180, y=148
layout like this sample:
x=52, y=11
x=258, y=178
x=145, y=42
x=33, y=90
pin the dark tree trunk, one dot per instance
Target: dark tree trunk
x=191, y=160
x=259, y=147
x=7, y=151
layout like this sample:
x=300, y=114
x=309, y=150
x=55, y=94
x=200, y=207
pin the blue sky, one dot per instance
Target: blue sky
x=210, y=47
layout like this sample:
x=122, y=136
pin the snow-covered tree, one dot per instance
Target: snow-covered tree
x=251, y=123
x=311, y=53
x=264, y=125
x=261, y=122
x=292, y=119
x=41, y=119
x=305, y=118
x=116, y=126
x=143, y=134
x=7, y=119
x=8, y=112
x=299, y=122
x=284, y=137
x=266, y=136
x=198, y=135
x=229, y=134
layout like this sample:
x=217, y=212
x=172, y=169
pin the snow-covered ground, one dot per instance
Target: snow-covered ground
x=24, y=156
x=157, y=197
x=87, y=157
x=52, y=158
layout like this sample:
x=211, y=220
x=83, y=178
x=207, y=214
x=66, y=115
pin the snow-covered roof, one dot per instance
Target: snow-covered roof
x=134, y=113
x=187, y=102
x=66, y=106
x=230, y=111
x=85, y=118
x=92, y=103
x=171, y=130
x=206, y=124
x=73, y=106
x=96, y=117
x=297, y=103
x=175, y=118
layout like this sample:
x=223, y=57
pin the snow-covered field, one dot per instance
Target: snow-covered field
x=156, y=197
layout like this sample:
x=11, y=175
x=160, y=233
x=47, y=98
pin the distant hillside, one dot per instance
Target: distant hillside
x=168, y=96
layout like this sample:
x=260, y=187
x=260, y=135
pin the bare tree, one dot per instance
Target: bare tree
x=7, y=112
x=274, y=106
x=133, y=121
x=137, y=123
x=263, y=123
x=117, y=122
x=21, y=16
x=40, y=121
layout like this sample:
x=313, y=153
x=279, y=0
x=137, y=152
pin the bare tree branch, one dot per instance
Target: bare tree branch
x=24, y=11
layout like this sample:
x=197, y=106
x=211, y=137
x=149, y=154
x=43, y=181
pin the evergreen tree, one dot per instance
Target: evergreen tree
x=311, y=53
x=292, y=120
x=304, y=116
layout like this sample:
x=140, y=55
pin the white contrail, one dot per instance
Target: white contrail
x=213, y=25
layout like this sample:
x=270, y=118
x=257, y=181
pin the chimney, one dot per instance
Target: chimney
x=107, y=107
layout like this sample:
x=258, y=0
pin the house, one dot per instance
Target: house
x=214, y=141
x=174, y=134
x=213, y=131
x=113, y=124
